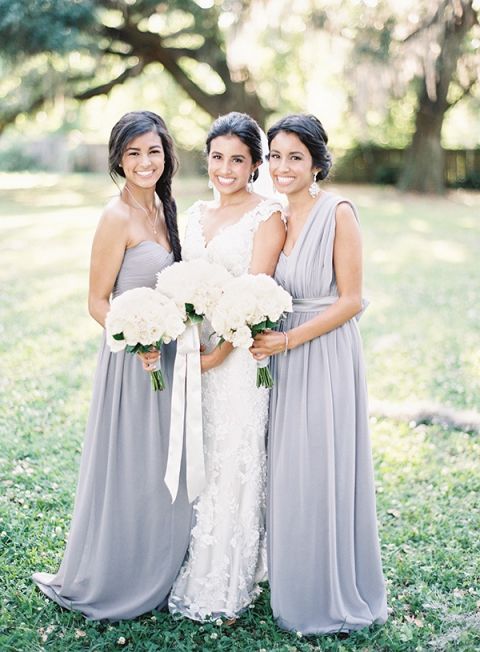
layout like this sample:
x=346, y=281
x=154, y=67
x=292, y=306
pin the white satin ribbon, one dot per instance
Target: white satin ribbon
x=186, y=416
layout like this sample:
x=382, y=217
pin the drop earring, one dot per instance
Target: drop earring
x=210, y=184
x=314, y=188
x=250, y=183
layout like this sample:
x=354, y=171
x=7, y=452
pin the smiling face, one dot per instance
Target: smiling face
x=229, y=164
x=291, y=164
x=143, y=160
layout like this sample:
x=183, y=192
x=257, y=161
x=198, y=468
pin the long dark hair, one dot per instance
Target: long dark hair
x=244, y=127
x=135, y=124
x=311, y=132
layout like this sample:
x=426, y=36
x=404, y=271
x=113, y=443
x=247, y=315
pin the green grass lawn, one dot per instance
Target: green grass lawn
x=422, y=343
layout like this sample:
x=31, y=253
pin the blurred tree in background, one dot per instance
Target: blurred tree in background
x=84, y=48
x=375, y=71
x=425, y=57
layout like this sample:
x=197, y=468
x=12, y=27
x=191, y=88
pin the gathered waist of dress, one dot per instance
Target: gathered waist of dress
x=312, y=305
x=321, y=303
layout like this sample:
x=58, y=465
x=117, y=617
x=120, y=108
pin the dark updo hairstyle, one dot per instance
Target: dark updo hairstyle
x=244, y=127
x=137, y=123
x=310, y=131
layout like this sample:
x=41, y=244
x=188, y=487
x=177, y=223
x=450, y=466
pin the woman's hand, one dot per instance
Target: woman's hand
x=268, y=343
x=149, y=359
x=216, y=357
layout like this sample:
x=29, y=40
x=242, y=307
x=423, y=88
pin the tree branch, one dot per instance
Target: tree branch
x=127, y=40
x=117, y=53
x=466, y=90
x=177, y=53
x=149, y=48
x=180, y=32
x=428, y=23
x=104, y=89
x=9, y=116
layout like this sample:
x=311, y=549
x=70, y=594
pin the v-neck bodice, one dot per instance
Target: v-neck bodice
x=308, y=272
x=232, y=245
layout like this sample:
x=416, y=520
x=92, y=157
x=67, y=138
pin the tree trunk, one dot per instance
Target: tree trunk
x=425, y=159
x=424, y=163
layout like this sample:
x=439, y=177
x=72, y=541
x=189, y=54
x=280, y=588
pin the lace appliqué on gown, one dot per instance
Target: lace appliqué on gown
x=226, y=557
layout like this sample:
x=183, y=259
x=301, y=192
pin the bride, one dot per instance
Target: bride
x=244, y=232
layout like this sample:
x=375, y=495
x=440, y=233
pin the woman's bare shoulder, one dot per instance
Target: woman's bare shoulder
x=115, y=215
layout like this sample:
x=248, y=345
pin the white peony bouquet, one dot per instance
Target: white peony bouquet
x=196, y=286
x=249, y=305
x=141, y=319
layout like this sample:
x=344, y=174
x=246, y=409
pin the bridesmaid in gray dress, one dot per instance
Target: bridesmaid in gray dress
x=127, y=541
x=324, y=560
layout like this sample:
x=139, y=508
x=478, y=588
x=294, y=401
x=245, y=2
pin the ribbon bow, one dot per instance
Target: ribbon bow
x=186, y=415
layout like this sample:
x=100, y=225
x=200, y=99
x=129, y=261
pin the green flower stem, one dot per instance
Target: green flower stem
x=158, y=382
x=264, y=377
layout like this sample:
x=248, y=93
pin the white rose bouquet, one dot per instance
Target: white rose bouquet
x=195, y=286
x=141, y=319
x=249, y=305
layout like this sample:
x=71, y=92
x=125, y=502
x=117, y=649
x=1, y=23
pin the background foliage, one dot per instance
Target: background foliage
x=375, y=71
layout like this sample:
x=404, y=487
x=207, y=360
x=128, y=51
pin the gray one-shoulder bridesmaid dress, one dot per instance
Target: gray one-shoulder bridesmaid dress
x=323, y=552
x=127, y=541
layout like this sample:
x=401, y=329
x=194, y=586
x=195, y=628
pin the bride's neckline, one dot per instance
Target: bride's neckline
x=201, y=211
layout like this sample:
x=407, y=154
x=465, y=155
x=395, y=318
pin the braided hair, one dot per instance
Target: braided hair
x=311, y=132
x=135, y=124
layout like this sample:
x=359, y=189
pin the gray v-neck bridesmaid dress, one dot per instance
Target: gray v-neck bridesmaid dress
x=323, y=552
x=127, y=541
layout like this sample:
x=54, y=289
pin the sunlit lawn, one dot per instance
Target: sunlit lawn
x=422, y=343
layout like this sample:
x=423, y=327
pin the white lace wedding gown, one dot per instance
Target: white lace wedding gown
x=226, y=557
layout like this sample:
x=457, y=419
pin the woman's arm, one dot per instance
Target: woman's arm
x=347, y=261
x=267, y=245
x=108, y=248
x=216, y=357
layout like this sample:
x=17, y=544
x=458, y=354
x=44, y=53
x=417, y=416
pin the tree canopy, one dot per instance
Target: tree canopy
x=399, y=66
x=84, y=48
x=426, y=56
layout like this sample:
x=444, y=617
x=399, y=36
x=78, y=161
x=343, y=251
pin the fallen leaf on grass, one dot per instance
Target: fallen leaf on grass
x=413, y=619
